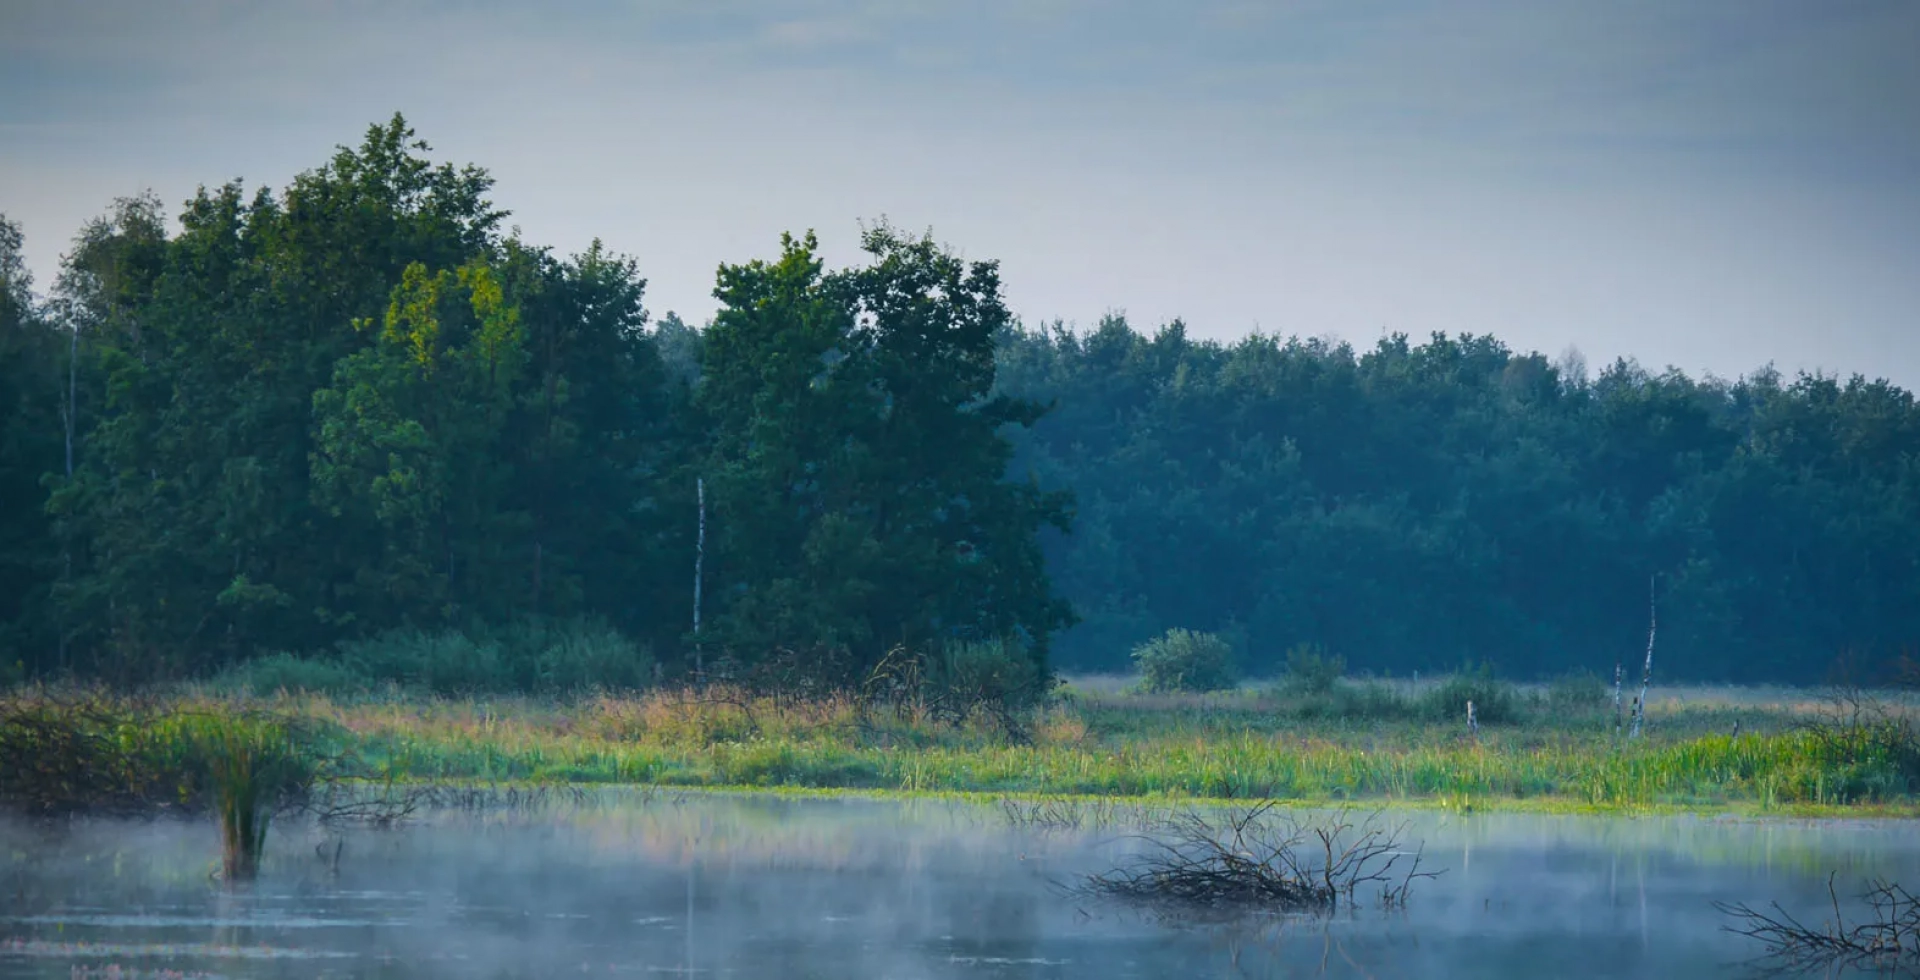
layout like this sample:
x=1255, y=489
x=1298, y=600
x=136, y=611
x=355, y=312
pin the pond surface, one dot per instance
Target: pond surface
x=758, y=886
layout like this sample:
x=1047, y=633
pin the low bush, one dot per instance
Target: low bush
x=1311, y=671
x=283, y=672
x=527, y=656
x=1370, y=701
x=1578, y=693
x=91, y=752
x=1183, y=660
x=994, y=676
x=1494, y=701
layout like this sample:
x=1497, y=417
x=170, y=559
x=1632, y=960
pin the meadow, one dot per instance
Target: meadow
x=1560, y=746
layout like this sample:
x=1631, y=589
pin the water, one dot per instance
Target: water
x=743, y=886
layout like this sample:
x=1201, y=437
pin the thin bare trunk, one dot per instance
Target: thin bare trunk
x=699, y=563
x=1646, y=672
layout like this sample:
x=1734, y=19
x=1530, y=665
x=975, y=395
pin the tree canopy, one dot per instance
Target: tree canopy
x=354, y=406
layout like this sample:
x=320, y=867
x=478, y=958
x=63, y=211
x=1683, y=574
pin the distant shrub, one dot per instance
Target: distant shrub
x=1371, y=701
x=529, y=656
x=1494, y=701
x=1581, y=692
x=1311, y=671
x=1183, y=660
x=440, y=662
x=277, y=672
x=570, y=656
x=994, y=675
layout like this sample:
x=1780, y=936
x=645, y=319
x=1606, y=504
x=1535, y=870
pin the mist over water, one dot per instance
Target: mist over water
x=753, y=886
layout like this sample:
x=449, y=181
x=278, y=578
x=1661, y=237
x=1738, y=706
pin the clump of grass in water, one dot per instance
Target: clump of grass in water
x=255, y=767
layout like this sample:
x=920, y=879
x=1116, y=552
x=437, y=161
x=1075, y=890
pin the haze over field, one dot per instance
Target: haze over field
x=1714, y=185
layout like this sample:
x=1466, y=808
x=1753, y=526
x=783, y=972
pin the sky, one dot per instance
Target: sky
x=1715, y=185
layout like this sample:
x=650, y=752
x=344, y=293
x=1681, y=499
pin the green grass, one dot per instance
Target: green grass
x=1233, y=746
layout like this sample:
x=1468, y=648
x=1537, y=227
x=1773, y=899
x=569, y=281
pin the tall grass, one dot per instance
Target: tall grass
x=1243, y=745
x=254, y=767
x=93, y=752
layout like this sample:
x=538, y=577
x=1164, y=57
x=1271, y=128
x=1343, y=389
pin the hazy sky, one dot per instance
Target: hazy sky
x=1713, y=184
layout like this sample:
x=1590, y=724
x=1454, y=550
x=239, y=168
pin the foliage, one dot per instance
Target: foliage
x=1418, y=504
x=855, y=463
x=1311, y=671
x=525, y=655
x=87, y=751
x=996, y=680
x=994, y=675
x=1369, y=701
x=342, y=409
x=251, y=765
x=1495, y=702
x=283, y=672
x=1182, y=660
x=1580, y=692
x=152, y=752
x=354, y=408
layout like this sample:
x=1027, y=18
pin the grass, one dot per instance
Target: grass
x=1386, y=746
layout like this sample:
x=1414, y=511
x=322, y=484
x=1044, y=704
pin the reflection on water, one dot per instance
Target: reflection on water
x=723, y=885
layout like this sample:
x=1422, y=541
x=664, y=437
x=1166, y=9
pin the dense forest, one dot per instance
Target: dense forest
x=308, y=418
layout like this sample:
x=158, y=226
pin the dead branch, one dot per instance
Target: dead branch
x=1252, y=860
x=1888, y=941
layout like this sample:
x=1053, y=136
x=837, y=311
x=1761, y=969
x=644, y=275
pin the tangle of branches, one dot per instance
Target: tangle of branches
x=1256, y=860
x=1887, y=942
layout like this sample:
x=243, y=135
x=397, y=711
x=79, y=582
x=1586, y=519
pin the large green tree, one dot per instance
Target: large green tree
x=857, y=463
x=343, y=408
x=32, y=356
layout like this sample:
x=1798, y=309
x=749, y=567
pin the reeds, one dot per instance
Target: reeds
x=125, y=757
x=252, y=766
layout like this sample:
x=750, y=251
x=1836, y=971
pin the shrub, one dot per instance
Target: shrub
x=995, y=673
x=529, y=655
x=1494, y=701
x=277, y=672
x=571, y=656
x=1371, y=701
x=1310, y=671
x=1183, y=660
x=1581, y=692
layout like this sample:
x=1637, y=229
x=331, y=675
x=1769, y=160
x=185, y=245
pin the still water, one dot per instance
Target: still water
x=757, y=886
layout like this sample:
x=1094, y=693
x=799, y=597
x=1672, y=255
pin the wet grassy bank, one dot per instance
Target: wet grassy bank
x=93, y=752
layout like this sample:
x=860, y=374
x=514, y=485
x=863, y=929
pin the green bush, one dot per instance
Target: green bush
x=1578, y=693
x=1311, y=671
x=1371, y=701
x=1183, y=660
x=569, y=656
x=277, y=672
x=995, y=675
x=527, y=656
x=1494, y=701
x=441, y=662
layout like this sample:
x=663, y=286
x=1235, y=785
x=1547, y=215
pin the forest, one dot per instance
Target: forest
x=355, y=414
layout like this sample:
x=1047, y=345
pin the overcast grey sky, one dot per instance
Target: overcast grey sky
x=1712, y=184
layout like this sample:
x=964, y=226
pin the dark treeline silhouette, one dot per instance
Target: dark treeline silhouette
x=356, y=406
x=1421, y=506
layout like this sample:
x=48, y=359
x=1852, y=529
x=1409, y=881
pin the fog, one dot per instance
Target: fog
x=757, y=886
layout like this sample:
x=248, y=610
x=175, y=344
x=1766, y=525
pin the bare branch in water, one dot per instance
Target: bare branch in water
x=1255, y=860
x=1889, y=941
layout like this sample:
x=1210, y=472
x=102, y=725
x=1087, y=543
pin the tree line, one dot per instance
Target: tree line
x=1423, y=506
x=356, y=405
